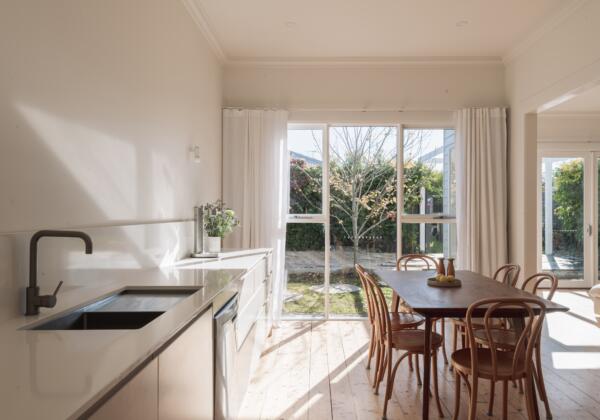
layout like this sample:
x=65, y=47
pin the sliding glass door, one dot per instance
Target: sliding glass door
x=362, y=194
x=566, y=213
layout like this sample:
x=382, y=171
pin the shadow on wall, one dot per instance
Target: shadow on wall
x=98, y=105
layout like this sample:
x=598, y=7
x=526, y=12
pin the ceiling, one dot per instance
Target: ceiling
x=363, y=29
x=586, y=102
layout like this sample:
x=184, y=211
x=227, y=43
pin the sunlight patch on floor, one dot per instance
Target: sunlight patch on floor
x=576, y=361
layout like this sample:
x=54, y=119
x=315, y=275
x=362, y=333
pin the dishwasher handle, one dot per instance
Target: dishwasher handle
x=228, y=312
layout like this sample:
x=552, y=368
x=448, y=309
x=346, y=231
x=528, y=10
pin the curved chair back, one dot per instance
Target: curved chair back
x=532, y=283
x=521, y=358
x=360, y=270
x=508, y=274
x=381, y=310
x=429, y=262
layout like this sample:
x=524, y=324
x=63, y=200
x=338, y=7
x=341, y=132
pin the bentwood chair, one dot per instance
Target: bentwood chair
x=506, y=338
x=400, y=320
x=507, y=274
x=494, y=363
x=428, y=263
x=411, y=341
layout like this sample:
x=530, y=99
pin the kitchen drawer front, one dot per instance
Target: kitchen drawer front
x=248, y=315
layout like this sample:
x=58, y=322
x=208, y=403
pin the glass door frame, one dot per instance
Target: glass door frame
x=590, y=209
x=324, y=217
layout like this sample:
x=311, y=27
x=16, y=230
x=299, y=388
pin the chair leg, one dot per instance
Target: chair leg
x=378, y=367
x=492, y=395
x=410, y=364
x=529, y=398
x=520, y=382
x=504, y=400
x=454, y=340
x=381, y=370
x=418, y=370
x=371, y=347
x=390, y=380
x=443, y=334
x=435, y=383
x=457, y=380
x=540, y=382
x=473, y=404
x=377, y=363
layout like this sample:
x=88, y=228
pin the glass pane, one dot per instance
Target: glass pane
x=304, y=269
x=429, y=172
x=362, y=182
x=306, y=171
x=562, y=217
x=435, y=239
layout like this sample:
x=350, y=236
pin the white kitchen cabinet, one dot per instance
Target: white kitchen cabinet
x=185, y=373
x=138, y=399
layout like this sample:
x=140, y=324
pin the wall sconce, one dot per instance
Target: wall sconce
x=194, y=153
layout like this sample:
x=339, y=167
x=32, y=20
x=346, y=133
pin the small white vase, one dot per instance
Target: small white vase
x=213, y=244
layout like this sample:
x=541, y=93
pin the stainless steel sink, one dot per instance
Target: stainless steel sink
x=131, y=308
x=100, y=321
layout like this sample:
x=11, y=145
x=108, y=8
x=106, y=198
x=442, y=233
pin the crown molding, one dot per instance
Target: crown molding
x=197, y=14
x=349, y=62
x=548, y=26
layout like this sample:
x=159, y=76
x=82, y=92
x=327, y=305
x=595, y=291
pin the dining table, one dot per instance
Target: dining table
x=412, y=290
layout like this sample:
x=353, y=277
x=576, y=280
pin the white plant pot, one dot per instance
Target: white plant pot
x=213, y=244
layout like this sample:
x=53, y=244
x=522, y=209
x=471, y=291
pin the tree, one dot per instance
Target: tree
x=362, y=180
x=568, y=203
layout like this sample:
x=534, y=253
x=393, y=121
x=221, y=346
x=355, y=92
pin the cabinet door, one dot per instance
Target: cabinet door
x=185, y=378
x=136, y=400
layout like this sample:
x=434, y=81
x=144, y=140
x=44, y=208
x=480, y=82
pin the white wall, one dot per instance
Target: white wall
x=335, y=87
x=576, y=127
x=561, y=62
x=99, y=102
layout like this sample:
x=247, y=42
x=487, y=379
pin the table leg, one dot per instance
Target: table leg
x=426, y=368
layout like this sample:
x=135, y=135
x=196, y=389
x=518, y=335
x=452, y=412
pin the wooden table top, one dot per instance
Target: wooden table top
x=453, y=302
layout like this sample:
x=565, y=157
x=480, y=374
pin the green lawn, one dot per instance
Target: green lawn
x=313, y=303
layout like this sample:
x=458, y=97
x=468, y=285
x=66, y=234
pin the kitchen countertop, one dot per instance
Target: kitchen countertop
x=60, y=374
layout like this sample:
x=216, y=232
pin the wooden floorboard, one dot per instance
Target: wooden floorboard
x=317, y=370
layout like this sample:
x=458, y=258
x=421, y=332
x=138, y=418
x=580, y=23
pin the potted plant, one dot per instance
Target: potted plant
x=218, y=222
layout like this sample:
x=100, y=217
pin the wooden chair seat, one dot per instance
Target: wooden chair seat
x=414, y=341
x=504, y=339
x=461, y=360
x=403, y=321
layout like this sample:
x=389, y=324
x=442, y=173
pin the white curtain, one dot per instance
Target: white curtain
x=255, y=178
x=481, y=191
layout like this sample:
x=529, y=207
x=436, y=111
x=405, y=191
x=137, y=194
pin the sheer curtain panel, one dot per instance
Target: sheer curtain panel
x=481, y=189
x=255, y=174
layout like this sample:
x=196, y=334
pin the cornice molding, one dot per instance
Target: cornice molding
x=350, y=62
x=197, y=14
x=548, y=26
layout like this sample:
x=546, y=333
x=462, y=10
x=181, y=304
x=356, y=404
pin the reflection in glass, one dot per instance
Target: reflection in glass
x=435, y=239
x=306, y=171
x=429, y=171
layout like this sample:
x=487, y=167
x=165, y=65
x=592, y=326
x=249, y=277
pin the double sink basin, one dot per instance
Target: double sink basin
x=128, y=309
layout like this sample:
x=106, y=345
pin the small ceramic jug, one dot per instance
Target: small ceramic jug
x=440, y=268
x=450, y=271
